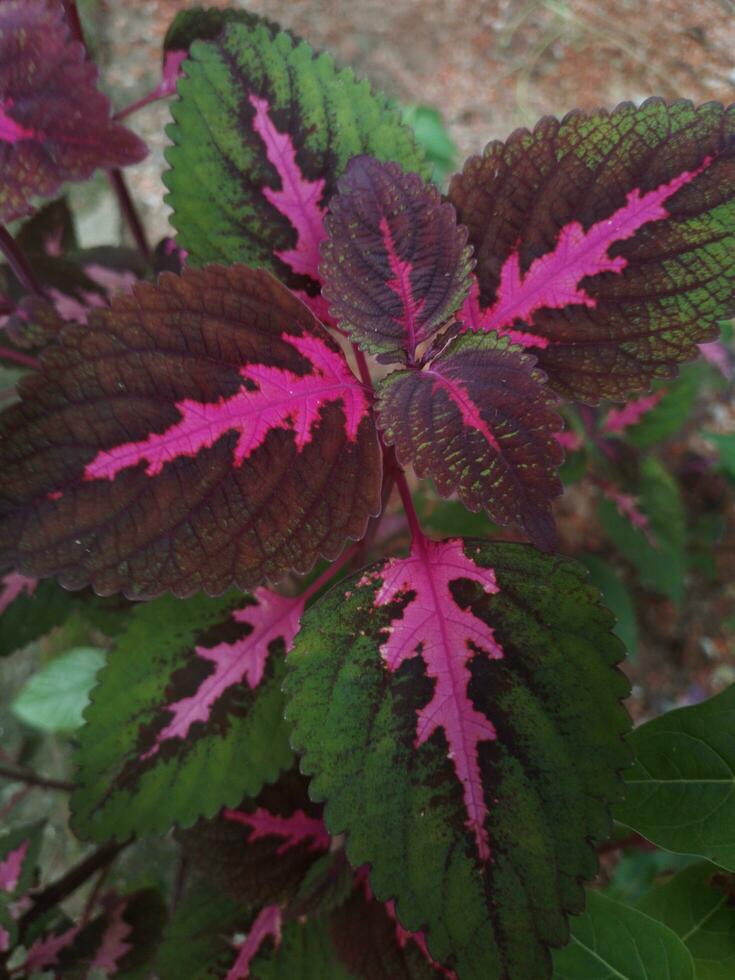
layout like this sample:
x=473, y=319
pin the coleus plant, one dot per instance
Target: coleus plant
x=333, y=320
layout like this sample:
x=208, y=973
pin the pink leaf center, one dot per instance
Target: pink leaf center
x=11, y=867
x=13, y=585
x=267, y=924
x=553, y=280
x=234, y=663
x=400, y=284
x=295, y=830
x=446, y=637
x=12, y=131
x=114, y=943
x=298, y=199
x=281, y=400
x=468, y=409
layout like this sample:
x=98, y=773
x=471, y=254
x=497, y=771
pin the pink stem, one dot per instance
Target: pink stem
x=129, y=212
x=330, y=572
x=128, y=110
x=18, y=263
x=24, y=360
x=407, y=501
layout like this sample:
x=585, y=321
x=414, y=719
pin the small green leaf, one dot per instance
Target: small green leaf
x=697, y=904
x=680, y=794
x=617, y=599
x=306, y=952
x=725, y=445
x=54, y=699
x=431, y=133
x=615, y=942
x=674, y=408
x=658, y=551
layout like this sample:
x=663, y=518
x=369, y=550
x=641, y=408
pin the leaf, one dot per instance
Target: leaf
x=262, y=131
x=620, y=419
x=187, y=716
x=54, y=699
x=675, y=403
x=54, y=123
x=206, y=24
x=433, y=137
x=479, y=421
x=266, y=867
x=374, y=946
x=155, y=449
x=613, y=940
x=697, y=904
x=724, y=443
x=19, y=851
x=680, y=793
x=657, y=548
x=605, y=241
x=617, y=599
x=472, y=762
x=395, y=265
x=306, y=951
x=8, y=928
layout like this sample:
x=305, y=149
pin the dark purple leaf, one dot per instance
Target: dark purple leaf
x=395, y=265
x=479, y=421
x=54, y=123
x=188, y=438
x=605, y=241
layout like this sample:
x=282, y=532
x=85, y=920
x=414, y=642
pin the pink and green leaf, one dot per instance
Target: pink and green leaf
x=395, y=265
x=605, y=241
x=480, y=421
x=482, y=748
x=19, y=850
x=262, y=131
x=219, y=382
x=187, y=715
x=55, y=125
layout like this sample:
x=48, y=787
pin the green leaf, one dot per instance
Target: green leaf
x=614, y=941
x=680, y=794
x=673, y=410
x=697, y=904
x=306, y=952
x=637, y=870
x=223, y=180
x=156, y=751
x=547, y=778
x=657, y=552
x=54, y=699
x=617, y=599
x=725, y=445
x=431, y=133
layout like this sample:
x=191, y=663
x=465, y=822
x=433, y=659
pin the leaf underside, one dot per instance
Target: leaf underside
x=54, y=124
x=604, y=241
x=483, y=848
x=156, y=449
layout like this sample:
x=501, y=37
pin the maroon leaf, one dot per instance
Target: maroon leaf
x=188, y=438
x=267, y=925
x=479, y=421
x=396, y=266
x=54, y=124
x=605, y=241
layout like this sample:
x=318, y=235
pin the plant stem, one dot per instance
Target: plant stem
x=18, y=357
x=30, y=778
x=75, y=24
x=347, y=555
x=407, y=501
x=18, y=263
x=57, y=891
x=129, y=212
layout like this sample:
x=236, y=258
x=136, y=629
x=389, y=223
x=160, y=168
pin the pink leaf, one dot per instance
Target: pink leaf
x=627, y=506
x=553, y=281
x=113, y=945
x=171, y=73
x=267, y=924
x=13, y=585
x=446, y=637
x=718, y=356
x=274, y=398
x=11, y=867
x=272, y=618
x=45, y=951
x=572, y=441
x=298, y=199
x=296, y=829
x=4, y=940
x=619, y=419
